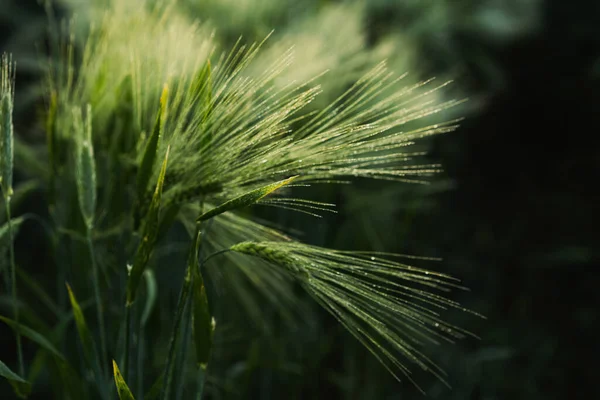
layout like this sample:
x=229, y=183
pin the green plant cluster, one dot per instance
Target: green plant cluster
x=153, y=130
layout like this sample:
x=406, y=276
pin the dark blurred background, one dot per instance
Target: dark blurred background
x=514, y=215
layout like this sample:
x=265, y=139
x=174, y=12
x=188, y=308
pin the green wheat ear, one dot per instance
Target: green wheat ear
x=388, y=306
x=7, y=94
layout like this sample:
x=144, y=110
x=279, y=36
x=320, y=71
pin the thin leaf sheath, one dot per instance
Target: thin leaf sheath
x=21, y=387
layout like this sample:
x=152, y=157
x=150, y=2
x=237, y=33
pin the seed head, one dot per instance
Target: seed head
x=271, y=255
x=378, y=300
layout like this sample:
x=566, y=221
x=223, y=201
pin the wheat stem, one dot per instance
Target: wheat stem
x=181, y=305
x=185, y=342
x=201, y=381
x=98, y=300
x=127, y=342
x=13, y=284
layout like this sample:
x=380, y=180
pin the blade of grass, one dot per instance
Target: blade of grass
x=13, y=283
x=203, y=327
x=127, y=346
x=74, y=388
x=202, y=88
x=151, y=296
x=148, y=159
x=182, y=357
x=5, y=236
x=87, y=342
x=6, y=239
x=200, y=383
x=51, y=144
x=82, y=329
x=20, y=194
x=70, y=380
x=99, y=306
x=21, y=387
x=122, y=388
x=155, y=389
x=149, y=235
x=183, y=312
x=39, y=291
x=33, y=336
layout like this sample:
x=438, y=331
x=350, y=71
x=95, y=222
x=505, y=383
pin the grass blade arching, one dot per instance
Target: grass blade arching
x=33, y=336
x=21, y=387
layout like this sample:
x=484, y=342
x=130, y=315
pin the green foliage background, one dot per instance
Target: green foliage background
x=513, y=214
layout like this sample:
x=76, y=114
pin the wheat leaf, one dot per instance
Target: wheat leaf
x=33, y=336
x=155, y=389
x=151, y=296
x=122, y=388
x=183, y=313
x=82, y=329
x=5, y=231
x=21, y=387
